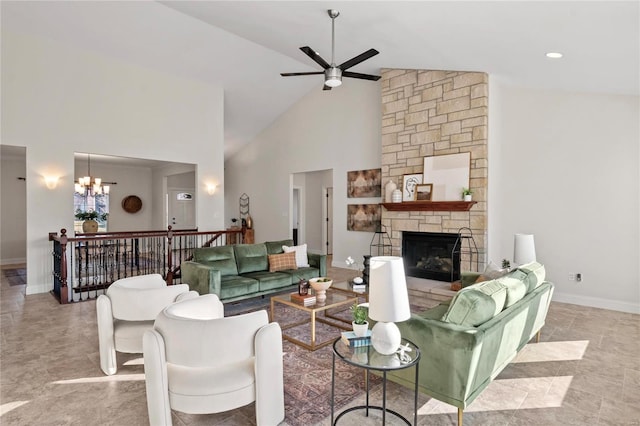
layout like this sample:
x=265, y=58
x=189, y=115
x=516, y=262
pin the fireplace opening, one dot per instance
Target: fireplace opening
x=431, y=255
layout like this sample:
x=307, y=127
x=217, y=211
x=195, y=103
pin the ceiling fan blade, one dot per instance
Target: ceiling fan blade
x=290, y=74
x=362, y=76
x=313, y=55
x=325, y=87
x=356, y=60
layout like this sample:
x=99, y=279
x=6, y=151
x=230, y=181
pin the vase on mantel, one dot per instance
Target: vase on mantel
x=467, y=197
x=388, y=191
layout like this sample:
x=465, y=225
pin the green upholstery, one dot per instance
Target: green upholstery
x=251, y=257
x=515, y=285
x=535, y=274
x=476, y=303
x=459, y=361
x=275, y=247
x=241, y=271
x=221, y=258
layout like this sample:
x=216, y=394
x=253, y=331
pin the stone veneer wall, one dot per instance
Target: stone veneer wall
x=426, y=113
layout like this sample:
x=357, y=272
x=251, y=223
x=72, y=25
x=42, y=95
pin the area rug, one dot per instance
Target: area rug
x=14, y=277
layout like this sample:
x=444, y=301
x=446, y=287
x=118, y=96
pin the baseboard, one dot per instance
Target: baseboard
x=37, y=289
x=597, y=302
x=17, y=261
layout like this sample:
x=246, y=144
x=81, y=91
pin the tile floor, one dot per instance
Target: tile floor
x=585, y=371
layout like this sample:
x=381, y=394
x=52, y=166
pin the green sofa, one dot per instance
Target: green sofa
x=466, y=343
x=241, y=271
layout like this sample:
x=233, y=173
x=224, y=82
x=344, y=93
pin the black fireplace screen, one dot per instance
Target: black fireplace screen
x=431, y=255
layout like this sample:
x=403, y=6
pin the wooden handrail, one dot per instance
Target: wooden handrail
x=97, y=259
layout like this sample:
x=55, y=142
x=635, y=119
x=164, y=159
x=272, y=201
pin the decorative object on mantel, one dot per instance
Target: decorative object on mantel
x=364, y=183
x=409, y=183
x=432, y=206
x=131, y=204
x=388, y=191
x=396, y=196
x=424, y=192
x=466, y=194
x=448, y=174
x=247, y=220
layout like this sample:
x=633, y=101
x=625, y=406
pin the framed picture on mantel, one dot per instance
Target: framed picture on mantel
x=409, y=183
x=424, y=192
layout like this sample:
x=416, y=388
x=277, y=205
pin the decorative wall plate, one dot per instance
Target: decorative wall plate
x=131, y=204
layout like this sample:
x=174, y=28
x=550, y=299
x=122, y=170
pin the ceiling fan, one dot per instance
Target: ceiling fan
x=333, y=74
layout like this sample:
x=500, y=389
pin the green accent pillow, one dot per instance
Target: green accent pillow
x=221, y=258
x=476, y=304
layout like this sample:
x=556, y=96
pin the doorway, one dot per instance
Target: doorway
x=328, y=220
x=181, y=208
x=295, y=215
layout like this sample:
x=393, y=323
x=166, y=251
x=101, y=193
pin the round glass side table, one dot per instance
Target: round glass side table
x=367, y=358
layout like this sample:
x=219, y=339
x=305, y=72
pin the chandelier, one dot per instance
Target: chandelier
x=90, y=185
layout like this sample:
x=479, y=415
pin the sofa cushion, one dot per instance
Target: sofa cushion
x=302, y=260
x=476, y=304
x=235, y=286
x=516, y=286
x=221, y=258
x=251, y=257
x=535, y=274
x=271, y=280
x=282, y=262
x=275, y=247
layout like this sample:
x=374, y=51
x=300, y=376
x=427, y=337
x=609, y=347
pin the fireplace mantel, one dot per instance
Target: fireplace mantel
x=452, y=206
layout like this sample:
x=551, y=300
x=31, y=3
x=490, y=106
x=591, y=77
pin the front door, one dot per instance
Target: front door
x=181, y=208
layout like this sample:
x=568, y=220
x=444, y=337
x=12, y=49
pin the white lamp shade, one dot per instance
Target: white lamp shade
x=524, y=249
x=388, y=298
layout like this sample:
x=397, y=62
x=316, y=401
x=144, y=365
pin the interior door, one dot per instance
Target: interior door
x=329, y=220
x=181, y=208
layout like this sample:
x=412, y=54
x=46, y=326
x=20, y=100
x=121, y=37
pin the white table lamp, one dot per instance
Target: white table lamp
x=524, y=249
x=388, y=302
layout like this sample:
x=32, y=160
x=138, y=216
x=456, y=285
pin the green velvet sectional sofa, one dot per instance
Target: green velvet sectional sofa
x=466, y=343
x=241, y=271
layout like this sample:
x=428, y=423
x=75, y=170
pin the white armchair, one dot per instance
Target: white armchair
x=198, y=362
x=128, y=309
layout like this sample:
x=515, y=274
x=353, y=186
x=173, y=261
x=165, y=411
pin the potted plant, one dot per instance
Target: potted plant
x=466, y=194
x=359, y=323
x=90, y=217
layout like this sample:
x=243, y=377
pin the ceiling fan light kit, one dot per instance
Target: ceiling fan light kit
x=333, y=74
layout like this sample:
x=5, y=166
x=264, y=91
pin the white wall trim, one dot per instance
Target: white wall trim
x=596, y=302
x=15, y=261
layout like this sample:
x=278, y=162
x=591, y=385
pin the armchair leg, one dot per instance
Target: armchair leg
x=538, y=336
x=459, y=416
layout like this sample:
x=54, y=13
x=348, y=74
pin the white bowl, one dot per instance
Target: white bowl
x=320, y=285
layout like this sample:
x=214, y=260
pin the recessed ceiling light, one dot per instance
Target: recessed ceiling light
x=554, y=55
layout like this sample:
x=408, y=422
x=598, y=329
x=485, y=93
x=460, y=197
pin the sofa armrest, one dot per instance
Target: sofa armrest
x=318, y=261
x=448, y=362
x=106, y=340
x=201, y=278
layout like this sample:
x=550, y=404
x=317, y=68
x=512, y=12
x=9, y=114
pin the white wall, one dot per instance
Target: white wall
x=58, y=99
x=565, y=167
x=338, y=130
x=314, y=208
x=13, y=223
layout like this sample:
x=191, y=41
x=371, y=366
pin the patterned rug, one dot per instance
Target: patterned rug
x=17, y=276
x=307, y=374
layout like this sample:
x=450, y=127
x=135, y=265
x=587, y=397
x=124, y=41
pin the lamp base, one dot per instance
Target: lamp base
x=385, y=338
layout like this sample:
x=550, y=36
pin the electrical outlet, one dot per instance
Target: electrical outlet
x=578, y=277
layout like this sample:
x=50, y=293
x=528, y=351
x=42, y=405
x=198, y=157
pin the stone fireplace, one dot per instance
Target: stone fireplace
x=427, y=113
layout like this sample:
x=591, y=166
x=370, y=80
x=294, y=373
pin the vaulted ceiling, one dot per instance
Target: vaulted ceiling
x=242, y=46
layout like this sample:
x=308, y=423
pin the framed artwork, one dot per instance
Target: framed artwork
x=448, y=174
x=409, y=183
x=423, y=192
x=364, y=217
x=364, y=183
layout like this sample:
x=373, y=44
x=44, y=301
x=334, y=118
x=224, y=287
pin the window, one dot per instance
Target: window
x=90, y=202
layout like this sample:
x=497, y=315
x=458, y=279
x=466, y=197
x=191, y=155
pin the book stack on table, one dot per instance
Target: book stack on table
x=305, y=300
x=362, y=287
x=349, y=338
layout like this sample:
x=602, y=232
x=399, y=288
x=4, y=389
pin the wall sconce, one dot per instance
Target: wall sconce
x=211, y=188
x=51, y=181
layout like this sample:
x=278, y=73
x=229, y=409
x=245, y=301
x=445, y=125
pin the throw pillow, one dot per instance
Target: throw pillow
x=476, y=304
x=516, y=286
x=535, y=274
x=282, y=262
x=302, y=260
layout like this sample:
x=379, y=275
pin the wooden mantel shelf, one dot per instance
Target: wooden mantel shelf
x=438, y=206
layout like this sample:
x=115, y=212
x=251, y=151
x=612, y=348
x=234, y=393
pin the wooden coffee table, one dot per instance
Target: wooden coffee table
x=334, y=300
